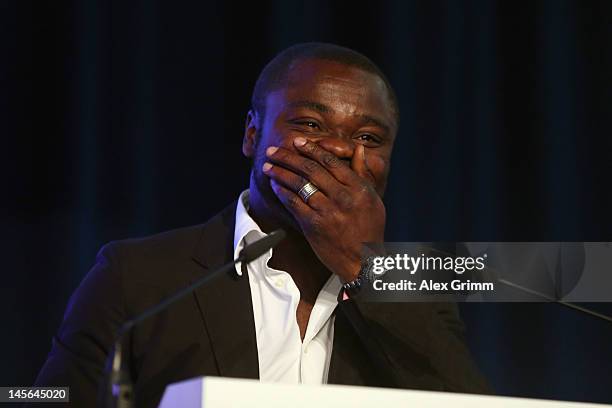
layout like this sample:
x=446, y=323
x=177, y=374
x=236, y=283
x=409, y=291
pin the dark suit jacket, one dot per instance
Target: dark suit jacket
x=212, y=332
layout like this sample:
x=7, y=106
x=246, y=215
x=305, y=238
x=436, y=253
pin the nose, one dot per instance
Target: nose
x=343, y=148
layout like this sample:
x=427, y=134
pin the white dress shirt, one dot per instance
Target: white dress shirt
x=283, y=356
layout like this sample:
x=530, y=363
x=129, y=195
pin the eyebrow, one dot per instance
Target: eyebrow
x=322, y=108
x=367, y=119
x=319, y=107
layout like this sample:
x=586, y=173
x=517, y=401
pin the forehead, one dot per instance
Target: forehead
x=345, y=89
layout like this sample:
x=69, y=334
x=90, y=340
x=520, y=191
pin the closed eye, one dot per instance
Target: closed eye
x=368, y=139
x=309, y=123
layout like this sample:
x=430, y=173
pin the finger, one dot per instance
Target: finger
x=359, y=164
x=305, y=167
x=292, y=202
x=332, y=163
x=294, y=182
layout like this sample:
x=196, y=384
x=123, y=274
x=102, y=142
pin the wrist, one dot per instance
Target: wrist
x=349, y=272
x=354, y=287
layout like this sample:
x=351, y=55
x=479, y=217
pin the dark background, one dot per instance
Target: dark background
x=124, y=118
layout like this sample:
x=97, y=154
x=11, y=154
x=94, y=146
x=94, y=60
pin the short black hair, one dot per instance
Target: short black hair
x=274, y=74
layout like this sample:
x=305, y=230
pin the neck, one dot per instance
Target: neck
x=294, y=254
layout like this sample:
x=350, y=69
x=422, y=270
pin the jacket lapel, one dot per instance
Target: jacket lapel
x=347, y=365
x=225, y=302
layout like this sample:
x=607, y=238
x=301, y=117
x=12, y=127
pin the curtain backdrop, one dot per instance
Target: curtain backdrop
x=125, y=118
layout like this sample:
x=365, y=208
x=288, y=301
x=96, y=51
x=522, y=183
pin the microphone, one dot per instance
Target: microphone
x=119, y=391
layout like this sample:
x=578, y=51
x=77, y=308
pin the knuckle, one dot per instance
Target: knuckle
x=316, y=224
x=367, y=190
x=311, y=148
x=293, y=201
x=309, y=166
x=345, y=200
x=299, y=183
x=330, y=160
x=366, y=196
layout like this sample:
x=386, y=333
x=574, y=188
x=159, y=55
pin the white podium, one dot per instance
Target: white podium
x=216, y=392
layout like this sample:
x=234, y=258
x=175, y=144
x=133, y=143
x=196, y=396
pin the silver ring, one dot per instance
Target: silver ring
x=307, y=191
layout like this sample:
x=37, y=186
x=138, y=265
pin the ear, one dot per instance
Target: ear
x=249, y=143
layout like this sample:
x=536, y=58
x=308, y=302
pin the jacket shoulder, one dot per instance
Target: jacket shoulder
x=166, y=253
x=176, y=243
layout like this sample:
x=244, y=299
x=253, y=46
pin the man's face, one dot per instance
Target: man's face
x=332, y=104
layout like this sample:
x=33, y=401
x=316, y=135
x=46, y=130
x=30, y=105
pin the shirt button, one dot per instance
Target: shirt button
x=306, y=350
x=279, y=283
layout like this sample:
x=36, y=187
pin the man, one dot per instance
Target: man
x=320, y=135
